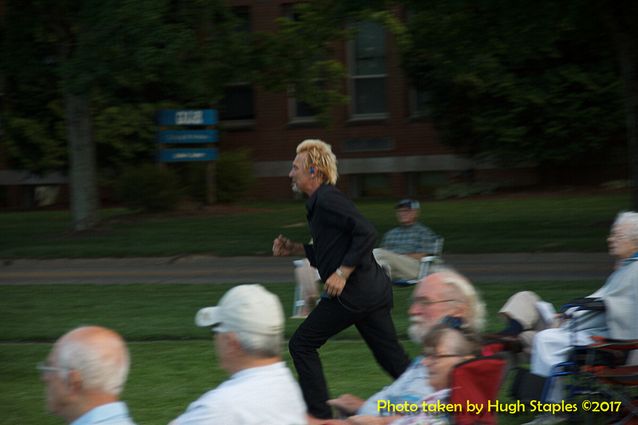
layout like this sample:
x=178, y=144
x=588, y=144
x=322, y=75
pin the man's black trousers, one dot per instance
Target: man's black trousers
x=328, y=319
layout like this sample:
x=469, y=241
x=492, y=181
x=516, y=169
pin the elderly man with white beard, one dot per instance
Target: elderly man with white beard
x=442, y=295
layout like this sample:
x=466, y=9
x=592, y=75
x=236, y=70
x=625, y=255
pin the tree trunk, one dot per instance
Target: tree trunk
x=622, y=22
x=84, y=196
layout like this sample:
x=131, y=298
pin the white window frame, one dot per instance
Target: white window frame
x=353, y=78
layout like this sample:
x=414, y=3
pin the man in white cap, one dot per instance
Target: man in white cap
x=248, y=325
x=403, y=246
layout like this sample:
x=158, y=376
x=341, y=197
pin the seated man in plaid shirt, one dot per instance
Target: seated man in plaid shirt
x=402, y=247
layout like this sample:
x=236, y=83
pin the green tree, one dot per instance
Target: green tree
x=514, y=82
x=517, y=82
x=93, y=58
x=620, y=18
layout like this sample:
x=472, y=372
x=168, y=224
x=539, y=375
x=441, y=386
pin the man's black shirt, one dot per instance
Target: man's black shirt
x=342, y=236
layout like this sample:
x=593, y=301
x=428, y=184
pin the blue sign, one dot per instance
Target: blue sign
x=187, y=117
x=188, y=136
x=188, y=155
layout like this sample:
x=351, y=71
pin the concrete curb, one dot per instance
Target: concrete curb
x=202, y=269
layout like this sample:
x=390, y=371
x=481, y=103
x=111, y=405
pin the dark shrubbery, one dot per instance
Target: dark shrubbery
x=149, y=188
x=234, y=175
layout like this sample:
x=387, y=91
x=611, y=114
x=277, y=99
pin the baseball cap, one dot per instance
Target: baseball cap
x=247, y=308
x=408, y=203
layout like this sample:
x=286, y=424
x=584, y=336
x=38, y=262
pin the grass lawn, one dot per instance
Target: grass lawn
x=555, y=223
x=173, y=361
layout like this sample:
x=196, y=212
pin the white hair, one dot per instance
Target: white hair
x=102, y=360
x=457, y=341
x=461, y=286
x=260, y=345
x=630, y=220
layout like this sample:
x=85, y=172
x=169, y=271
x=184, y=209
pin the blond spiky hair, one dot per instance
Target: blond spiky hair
x=319, y=155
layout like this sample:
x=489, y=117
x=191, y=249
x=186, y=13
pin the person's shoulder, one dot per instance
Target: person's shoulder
x=416, y=366
x=327, y=191
x=329, y=197
x=214, y=405
x=214, y=397
x=422, y=227
x=394, y=230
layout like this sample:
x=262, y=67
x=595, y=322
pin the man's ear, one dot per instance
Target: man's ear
x=232, y=341
x=459, y=310
x=74, y=381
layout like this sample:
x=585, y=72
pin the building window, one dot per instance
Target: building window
x=243, y=17
x=301, y=111
x=370, y=185
x=238, y=102
x=298, y=110
x=368, y=71
x=237, y=106
x=420, y=100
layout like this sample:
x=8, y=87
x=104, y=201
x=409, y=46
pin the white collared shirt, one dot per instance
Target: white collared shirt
x=107, y=414
x=255, y=396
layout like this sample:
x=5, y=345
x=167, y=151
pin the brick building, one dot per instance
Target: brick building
x=385, y=143
x=384, y=140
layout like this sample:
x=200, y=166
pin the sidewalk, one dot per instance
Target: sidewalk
x=498, y=268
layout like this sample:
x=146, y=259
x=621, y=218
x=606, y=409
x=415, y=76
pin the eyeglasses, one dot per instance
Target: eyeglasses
x=435, y=357
x=618, y=236
x=43, y=368
x=424, y=302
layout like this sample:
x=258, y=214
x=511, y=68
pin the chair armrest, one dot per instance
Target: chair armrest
x=590, y=304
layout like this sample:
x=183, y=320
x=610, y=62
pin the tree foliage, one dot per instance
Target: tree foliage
x=513, y=81
x=519, y=82
x=104, y=62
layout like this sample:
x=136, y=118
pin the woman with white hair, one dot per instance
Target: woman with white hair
x=444, y=347
x=618, y=319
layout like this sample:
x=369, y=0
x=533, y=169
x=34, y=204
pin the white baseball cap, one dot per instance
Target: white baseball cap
x=248, y=308
x=408, y=203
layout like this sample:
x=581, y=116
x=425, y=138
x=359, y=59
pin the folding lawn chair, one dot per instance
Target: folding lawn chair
x=425, y=264
x=611, y=364
x=576, y=360
x=476, y=381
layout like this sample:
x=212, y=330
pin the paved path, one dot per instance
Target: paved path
x=209, y=269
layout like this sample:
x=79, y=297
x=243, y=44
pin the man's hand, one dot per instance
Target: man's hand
x=337, y=281
x=347, y=403
x=371, y=420
x=334, y=285
x=279, y=246
x=282, y=247
x=417, y=255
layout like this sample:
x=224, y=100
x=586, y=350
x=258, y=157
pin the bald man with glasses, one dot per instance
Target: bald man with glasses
x=84, y=375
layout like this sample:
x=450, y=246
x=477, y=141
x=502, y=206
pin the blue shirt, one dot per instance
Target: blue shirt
x=410, y=239
x=413, y=385
x=106, y=414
